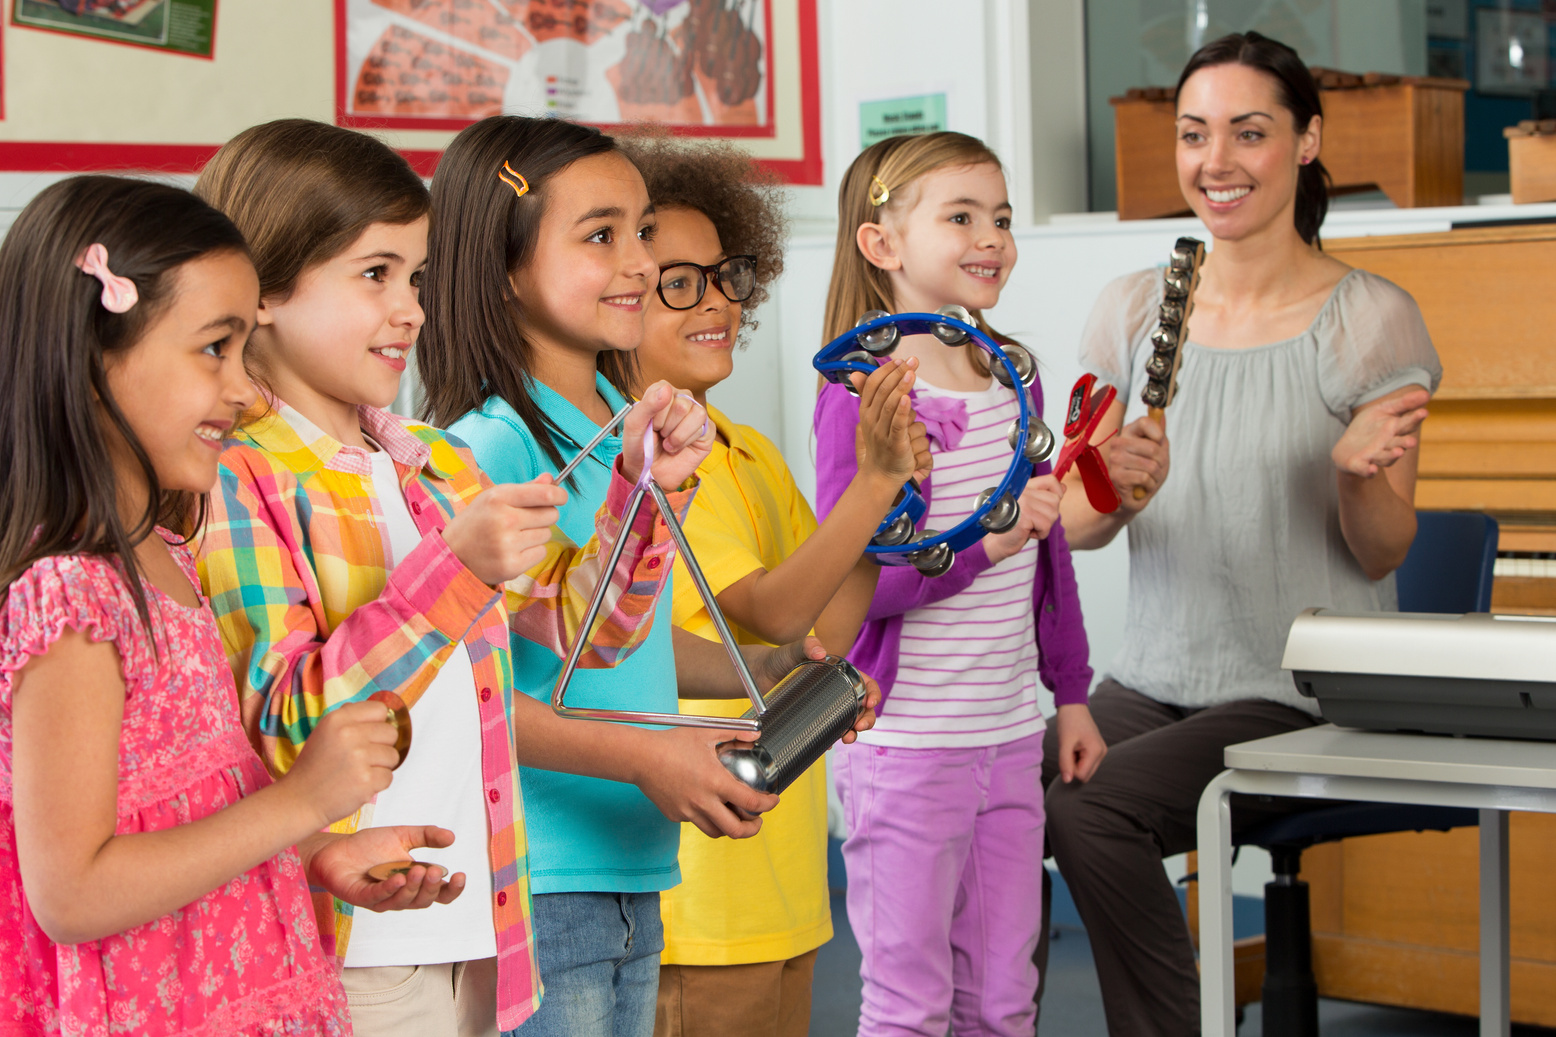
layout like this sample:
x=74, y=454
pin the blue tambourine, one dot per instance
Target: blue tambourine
x=898, y=541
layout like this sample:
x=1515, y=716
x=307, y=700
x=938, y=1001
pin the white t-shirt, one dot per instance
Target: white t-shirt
x=967, y=669
x=439, y=784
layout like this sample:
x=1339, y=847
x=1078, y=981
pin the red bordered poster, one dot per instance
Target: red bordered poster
x=743, y=69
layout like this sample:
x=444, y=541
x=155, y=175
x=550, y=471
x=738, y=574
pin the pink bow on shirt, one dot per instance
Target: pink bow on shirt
x=944, y=419
x=119, y=294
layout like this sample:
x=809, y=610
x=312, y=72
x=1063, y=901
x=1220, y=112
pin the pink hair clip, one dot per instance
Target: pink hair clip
x=119, y=294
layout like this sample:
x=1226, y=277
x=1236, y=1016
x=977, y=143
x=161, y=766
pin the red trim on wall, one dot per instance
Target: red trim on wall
x=68, y=156
x=424, y=162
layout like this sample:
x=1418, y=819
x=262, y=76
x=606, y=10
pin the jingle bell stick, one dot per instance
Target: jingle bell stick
x=1180, y=279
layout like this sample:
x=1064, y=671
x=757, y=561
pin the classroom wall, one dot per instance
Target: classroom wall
x=1012, y=71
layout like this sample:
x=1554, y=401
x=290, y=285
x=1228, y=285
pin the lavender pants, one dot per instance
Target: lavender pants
x=944, y=856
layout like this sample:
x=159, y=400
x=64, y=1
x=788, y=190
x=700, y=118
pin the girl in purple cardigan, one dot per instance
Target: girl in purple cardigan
x=943, y=798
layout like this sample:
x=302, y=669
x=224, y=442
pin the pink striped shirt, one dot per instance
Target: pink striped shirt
x=967, y=674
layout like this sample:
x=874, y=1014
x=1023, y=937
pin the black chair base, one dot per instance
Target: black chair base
x=1290, y=992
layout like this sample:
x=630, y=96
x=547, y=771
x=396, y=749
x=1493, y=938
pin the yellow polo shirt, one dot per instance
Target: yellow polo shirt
x=764, y=898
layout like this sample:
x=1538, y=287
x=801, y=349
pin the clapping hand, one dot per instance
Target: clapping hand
x=889, y=438
x=1381, y=432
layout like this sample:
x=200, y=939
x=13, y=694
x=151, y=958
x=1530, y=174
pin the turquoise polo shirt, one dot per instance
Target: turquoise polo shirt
x=585, y=834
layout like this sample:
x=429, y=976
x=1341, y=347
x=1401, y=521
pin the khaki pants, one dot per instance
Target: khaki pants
x=766, y=999
x=454, y=999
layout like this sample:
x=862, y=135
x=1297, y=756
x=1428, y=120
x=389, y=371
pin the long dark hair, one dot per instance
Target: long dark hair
x=58, y=492
x=473, y=345
x=1298, y=95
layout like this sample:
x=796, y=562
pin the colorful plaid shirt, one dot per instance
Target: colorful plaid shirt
x=293, y=560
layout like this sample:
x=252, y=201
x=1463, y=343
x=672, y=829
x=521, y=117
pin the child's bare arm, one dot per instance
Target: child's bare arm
x=83, y=881
x=782, y=604
x=840, y=622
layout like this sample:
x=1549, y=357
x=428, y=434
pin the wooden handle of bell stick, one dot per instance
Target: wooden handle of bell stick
x=1158, y=415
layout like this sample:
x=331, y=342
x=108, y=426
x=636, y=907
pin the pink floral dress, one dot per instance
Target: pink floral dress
x=243, y=959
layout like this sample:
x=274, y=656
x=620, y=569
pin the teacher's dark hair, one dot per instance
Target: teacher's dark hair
x=1298, y=95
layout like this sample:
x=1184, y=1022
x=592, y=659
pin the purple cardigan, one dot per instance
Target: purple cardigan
x=1061, y=634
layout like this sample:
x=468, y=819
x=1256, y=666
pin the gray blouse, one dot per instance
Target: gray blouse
x=1245, y=533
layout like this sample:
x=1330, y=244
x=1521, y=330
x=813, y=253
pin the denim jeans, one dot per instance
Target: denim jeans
x=599, y=961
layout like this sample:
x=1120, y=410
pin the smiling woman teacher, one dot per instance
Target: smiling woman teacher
x=1293, y=464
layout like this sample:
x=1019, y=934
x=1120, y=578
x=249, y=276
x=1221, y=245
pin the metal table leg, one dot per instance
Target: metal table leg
x=1217, y=982
x=1495, y=1006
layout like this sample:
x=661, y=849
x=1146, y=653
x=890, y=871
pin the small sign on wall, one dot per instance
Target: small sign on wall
x=1448, y=19
x=901, y=116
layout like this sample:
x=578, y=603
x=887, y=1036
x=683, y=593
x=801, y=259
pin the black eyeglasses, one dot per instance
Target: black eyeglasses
x=682, y=285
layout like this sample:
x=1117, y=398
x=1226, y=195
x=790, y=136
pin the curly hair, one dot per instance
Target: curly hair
x=726, y=185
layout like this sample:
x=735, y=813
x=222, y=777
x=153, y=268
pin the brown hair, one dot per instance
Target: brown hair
x=302, y=191
x=1298, y=95
x=726, y=185
x=58, y=491
x=858, y=285
x=473, y=346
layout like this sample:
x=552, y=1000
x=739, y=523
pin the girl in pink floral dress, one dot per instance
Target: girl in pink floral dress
x=148, y=878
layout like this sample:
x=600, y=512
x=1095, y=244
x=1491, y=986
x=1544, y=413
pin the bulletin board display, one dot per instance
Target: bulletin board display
x=288, y=58
x=176, y=26
x=743, y=69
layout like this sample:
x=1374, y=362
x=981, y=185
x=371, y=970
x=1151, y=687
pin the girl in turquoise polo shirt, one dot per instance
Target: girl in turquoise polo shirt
x=538, y=269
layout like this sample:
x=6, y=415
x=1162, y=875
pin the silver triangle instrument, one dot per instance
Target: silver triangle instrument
x=813, y=706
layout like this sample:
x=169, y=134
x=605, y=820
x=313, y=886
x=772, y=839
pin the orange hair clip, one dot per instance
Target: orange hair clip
x=514, y=180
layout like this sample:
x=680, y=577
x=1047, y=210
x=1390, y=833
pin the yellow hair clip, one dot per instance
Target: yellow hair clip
x=878, y=198
x=514, y=180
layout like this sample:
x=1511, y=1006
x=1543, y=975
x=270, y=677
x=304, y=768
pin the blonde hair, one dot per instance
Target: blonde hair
x=893, y=166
